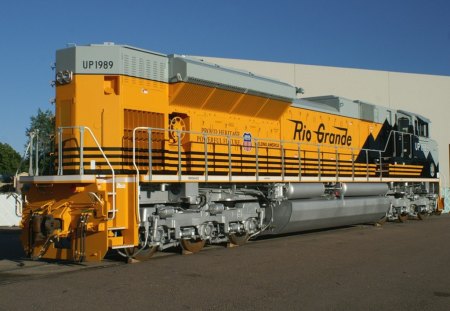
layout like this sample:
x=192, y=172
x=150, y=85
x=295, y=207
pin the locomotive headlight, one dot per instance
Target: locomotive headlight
x=64, y=77
x=59, y=77
x=67, y=76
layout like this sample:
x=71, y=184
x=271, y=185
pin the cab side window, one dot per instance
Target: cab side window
x=422, y=128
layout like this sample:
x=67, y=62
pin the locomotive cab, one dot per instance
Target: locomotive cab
x=411, y=123
x=413, y=144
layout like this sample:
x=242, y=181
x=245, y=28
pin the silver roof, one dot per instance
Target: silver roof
x=193, y=70
x=411, y=114
x=110, y=59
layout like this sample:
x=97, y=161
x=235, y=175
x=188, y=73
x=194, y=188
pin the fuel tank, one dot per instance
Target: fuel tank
x=309, y=214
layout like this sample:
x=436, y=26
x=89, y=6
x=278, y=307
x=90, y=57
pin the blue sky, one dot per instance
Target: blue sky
x=394, y=35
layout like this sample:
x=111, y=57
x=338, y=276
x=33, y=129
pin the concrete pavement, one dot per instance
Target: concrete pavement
x=394, y=267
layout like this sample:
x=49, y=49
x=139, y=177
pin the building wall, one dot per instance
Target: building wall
x=8, y=217
x=427, y=95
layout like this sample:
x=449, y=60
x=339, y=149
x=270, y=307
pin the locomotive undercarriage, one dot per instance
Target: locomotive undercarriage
x=192, y=215
x=82, y=225
x=412, y=200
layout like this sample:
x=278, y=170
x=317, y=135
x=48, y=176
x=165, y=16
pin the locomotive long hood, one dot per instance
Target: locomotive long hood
x=187, y=69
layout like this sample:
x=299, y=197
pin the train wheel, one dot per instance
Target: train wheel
x=141, y=255
x=403, y=217
x=192, y=246
x=423, y=215
x=238, y=238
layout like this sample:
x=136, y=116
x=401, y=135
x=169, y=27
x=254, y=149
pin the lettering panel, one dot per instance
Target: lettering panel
x=310, y=127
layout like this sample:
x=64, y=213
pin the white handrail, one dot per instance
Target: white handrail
x=18, y=203
x=29, y=149
x=138, y=216
x=81, y=129
x=281, y=142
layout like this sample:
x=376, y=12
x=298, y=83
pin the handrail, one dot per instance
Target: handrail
x=36, y=172
x=229, y=138
x=60, y=156
x=149, y=131
x=29, y=150
x=18, y=203
x=257, y=140
x=294, y=142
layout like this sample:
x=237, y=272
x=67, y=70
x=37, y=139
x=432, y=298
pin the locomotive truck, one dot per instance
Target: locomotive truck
x=154, y=151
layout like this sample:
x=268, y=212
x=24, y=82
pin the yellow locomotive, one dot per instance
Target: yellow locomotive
x=155, y=151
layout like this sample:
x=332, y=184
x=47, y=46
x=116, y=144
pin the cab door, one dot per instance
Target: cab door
x=404, y=136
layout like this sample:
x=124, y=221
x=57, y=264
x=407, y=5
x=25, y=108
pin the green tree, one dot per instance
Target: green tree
x=42, y=126
x=9, y=161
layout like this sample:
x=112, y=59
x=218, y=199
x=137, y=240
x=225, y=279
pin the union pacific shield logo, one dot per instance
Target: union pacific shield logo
x=247, y=144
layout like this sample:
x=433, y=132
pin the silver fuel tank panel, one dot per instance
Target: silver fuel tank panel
x=304, y=190
x=307, y=210
x=363, y=189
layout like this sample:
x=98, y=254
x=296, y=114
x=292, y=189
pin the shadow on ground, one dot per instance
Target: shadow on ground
x=10, y=245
